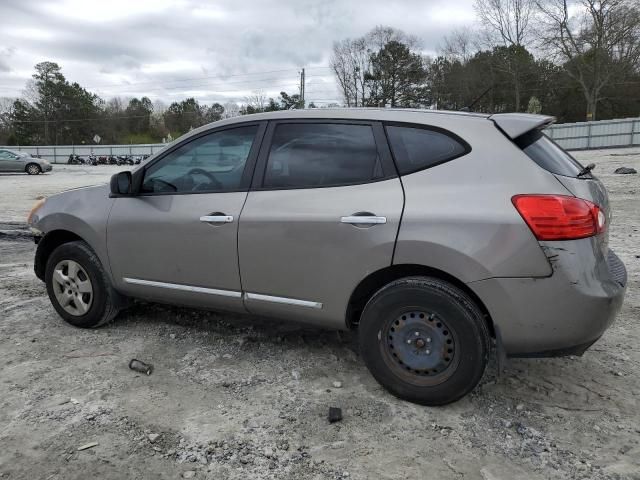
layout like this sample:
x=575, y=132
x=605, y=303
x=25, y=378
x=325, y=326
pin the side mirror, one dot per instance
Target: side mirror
x=121, y=184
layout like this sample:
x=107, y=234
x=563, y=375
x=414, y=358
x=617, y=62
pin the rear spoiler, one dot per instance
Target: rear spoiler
x=516, y=124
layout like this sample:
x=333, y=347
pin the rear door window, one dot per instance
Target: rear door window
x=548, y=154
x=308, y=155
x=419, y=148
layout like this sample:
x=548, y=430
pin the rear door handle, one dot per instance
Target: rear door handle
x=216, y=218
x=363, y=220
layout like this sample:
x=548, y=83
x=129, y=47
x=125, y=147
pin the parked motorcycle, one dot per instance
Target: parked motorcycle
x=92, y=160
x=76, y=160
x=102, y=160
x=125, y=160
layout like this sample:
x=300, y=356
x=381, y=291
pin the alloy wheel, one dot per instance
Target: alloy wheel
x=72, y=287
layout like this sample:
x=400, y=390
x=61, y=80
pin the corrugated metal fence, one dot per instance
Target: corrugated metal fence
x=60, y=153
x=600, y=134
x=572, y=136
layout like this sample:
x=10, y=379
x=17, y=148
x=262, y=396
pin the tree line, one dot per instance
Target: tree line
x=586, y=64
x=573, y=59
x=54, y=111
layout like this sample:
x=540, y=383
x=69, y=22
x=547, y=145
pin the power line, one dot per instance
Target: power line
x=222, y=77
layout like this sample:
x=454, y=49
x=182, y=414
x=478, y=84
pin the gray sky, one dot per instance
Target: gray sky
x=214, y=50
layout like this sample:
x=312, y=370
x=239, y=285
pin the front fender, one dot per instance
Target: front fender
x=82, y=213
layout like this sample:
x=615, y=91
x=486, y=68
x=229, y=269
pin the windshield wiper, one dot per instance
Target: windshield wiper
x=586, y=170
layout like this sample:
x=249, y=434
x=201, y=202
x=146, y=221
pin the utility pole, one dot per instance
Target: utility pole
x=302, y=82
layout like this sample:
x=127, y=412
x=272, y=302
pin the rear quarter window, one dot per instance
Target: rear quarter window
x=416, y=148
x=548, y=154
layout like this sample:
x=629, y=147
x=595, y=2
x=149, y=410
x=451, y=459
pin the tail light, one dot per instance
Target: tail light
x=560, y=217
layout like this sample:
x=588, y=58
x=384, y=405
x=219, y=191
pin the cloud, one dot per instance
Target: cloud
x=167, y=49
x=5, y=55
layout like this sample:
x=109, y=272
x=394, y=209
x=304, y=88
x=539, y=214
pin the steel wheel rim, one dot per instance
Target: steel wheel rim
x=72, y=287
x=419, y=347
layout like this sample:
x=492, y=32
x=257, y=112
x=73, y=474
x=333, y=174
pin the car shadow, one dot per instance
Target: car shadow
x=225, y=324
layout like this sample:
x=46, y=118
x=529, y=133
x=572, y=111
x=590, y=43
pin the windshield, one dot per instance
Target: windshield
x=548, y=154
x=18, y=154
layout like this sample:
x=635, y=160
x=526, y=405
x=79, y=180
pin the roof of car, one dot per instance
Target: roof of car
x=362, y=113
x=408, y=115
x=354, y=112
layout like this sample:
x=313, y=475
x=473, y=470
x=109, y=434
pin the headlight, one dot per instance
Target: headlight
x=33, y=218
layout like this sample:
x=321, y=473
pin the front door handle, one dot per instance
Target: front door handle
x=218, y=218
x=363, y=220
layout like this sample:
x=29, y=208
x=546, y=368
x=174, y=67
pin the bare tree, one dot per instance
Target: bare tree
x=460, y=45
x=598, y=44
x=257, y=100
x=351, y=63
x=231, y=109
x=507, y=21
x=6, y=105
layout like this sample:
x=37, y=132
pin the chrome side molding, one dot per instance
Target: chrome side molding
x=186, y=288
x=224, y=293
x=287, y=301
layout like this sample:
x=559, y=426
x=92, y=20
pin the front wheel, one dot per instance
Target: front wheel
x=33, y=169
x=424, y=340
x=78, y=286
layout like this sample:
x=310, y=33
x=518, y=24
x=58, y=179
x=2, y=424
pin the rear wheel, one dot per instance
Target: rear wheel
x=78, y=286
x=33, y=169
x=424, y=340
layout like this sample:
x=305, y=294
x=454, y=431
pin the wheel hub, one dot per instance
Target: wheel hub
x=72, y=287
x=420, y=343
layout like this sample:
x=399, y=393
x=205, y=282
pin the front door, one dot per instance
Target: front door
x=177, y=240
x=10, y=162
x=323, y=213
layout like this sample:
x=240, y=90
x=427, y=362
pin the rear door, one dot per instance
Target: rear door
x=323, y=213
x=177, y=240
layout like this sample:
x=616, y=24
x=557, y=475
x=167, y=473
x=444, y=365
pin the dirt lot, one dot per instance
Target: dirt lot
x=235, y=397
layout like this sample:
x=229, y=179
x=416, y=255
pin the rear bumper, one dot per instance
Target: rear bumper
x=563, y=314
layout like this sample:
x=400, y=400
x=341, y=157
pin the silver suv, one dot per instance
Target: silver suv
x=437, y=235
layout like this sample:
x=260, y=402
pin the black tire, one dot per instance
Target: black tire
x=33, y=169
x=105, y=300
x=435, y=373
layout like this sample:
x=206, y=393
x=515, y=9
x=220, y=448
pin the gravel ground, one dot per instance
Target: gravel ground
x=242, y=397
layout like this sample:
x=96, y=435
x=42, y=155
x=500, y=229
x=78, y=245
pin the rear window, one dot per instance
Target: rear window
x=419, y=148
x=548, y=154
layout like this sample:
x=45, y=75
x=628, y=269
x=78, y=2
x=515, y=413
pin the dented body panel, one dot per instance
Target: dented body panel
x=563, y=313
